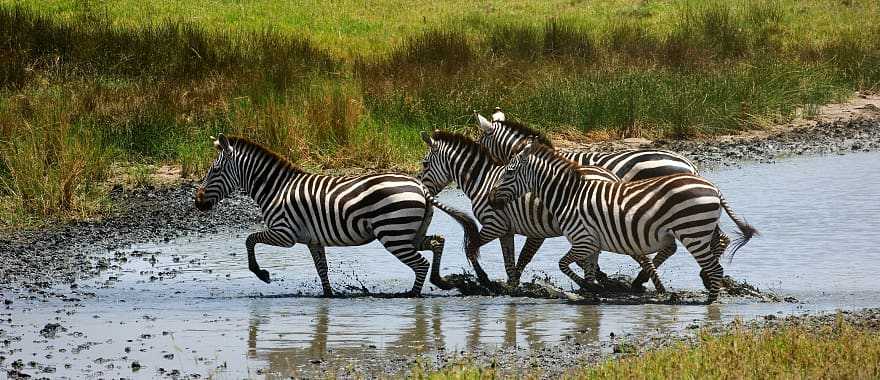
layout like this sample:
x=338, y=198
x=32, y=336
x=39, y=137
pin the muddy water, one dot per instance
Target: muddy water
x=192, y=306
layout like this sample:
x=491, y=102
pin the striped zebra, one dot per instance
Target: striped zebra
x=455, y=157
x=633, y=218
x=501, y=136
x=321, y=211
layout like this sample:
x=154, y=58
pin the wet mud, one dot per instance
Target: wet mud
x=617, y=290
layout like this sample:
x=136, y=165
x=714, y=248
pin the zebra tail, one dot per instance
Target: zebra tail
x=471, y=231
x=747, y=231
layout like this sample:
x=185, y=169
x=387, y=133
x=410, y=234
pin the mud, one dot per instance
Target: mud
x=616, y=291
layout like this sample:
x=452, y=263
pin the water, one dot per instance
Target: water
x=196, y=300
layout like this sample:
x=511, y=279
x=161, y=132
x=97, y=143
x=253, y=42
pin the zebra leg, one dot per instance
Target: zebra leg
x=711, y=271
x=268, y=237
x=585, y=250
x=525, y=257
x=485, y=237
x=409, y=255
x=592, y=266
x=661, y=256
x=648, y=267
x=435, y=244
x=508, y=252
x=320, y=258
x=719, y=242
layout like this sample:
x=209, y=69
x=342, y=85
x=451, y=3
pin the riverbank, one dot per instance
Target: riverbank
x=837, y=345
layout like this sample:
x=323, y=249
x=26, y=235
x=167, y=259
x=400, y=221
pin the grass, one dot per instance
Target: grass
x=838, y=351
x=336, y=85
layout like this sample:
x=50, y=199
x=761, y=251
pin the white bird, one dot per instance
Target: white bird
x=498, y=115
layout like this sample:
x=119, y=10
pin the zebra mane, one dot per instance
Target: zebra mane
x=239, y=141
x=568, y=166
x=527, y=131
x=466, y=143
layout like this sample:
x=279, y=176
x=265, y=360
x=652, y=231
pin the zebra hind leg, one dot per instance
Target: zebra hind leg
x=409, y=255
x=711, y=271
x=435, y=244
x=661, y=256
x=320, y=258
x=648, y=267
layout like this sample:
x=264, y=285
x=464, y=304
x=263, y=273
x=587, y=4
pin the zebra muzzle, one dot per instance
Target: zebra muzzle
x=201, y=203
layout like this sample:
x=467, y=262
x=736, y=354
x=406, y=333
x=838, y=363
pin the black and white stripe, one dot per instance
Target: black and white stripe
x=453, y=157
x=321, y=211
x=501, y=136
x=633, y=218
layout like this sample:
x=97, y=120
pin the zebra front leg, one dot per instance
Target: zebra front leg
x=643, y=276
x=508, y=252
x=585, y=250
x=320, y=258
x=472, y=254
x=525, y=257
x=263, y=237
x=648, y=267
x=435, y=244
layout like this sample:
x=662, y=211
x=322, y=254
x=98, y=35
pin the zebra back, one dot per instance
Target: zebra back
x=502, y=137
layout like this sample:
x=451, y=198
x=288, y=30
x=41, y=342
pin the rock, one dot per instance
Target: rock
x=51, y=329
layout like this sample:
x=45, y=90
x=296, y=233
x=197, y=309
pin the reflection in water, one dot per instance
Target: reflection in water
x=284, y=343
x=289, y=361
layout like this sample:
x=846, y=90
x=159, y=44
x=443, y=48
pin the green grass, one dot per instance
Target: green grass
x=839, y=351
x=341, y=85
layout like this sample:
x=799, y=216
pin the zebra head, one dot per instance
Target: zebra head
x=517, y=178
x=221, y=179
x=501, y=136
x=435, y=174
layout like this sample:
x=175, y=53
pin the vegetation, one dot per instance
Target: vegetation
x=838, y=351
x=84, y=84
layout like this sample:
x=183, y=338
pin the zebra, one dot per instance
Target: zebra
x=321, y=211
x=500, y=136
x=455, y=157
x=634, y=218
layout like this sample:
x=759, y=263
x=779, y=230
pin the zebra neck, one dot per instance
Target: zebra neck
x=556, y=187
x=262, y=176
x=471, y=177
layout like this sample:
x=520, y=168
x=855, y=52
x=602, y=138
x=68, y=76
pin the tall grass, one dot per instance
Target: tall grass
x=156, y=91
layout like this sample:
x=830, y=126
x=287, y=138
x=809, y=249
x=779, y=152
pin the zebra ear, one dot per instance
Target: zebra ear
x=223, y=143
x=485, y=125
x=427, y=138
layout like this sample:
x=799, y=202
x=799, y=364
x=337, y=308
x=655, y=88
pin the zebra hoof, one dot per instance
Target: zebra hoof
x=441, y=283
x=263, y=274
x=637, y=288
x=592, y=288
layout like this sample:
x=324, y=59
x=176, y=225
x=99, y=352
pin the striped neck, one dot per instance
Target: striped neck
x=261, y=171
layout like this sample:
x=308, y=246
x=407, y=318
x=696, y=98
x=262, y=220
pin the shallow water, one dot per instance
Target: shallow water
x=196, y=300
